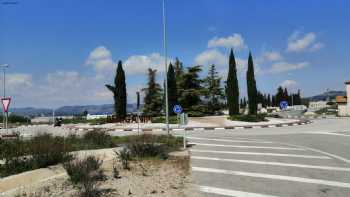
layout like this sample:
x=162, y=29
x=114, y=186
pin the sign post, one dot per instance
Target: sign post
x=283, y=105
x=183, y=120
x=6, y=104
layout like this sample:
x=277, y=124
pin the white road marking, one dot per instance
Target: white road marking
x=320, y=151
x=227, y=192
x=259, y=153
x=275, y=177
x=273, y=163
x=226, y=140
x=249, y=147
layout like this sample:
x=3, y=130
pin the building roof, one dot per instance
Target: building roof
x=340, y=99
x=347, y=82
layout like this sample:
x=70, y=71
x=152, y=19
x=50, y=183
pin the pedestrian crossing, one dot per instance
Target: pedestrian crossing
x=243, y=168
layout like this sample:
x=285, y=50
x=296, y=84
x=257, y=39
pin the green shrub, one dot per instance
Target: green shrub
x=161, y=119
x=124, y=157
x=41, y=151
x=85, y=174
x=249, y=118
x=98, y=138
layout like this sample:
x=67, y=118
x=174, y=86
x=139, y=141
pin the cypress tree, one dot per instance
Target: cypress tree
x=232, y=89
x=251, y=86
x=119, y=92
x=269, y=102
x=172, y=89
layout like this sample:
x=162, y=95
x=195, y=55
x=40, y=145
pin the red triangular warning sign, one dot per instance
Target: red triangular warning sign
x=6, y=103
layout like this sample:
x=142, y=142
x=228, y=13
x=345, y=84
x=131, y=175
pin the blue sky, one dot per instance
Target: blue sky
x=63, y=52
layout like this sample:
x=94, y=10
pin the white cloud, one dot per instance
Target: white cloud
x=212, y=56
x=235, y=41
x=289, y=84
x=317, y=46
x=139, y=64
x=307, y=42
x=280, y=67
x=271, y=56
x=101, y=60
x=18, y=80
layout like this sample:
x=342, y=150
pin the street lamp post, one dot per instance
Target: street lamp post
x=166, y=70
x=5, y=114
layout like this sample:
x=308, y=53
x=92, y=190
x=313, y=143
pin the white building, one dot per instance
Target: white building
x=344, y=107
x=91, y=117
x=317, y=105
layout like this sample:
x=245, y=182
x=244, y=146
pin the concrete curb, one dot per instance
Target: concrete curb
x=300, y=122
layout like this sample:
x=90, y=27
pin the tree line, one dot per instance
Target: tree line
x=199, y=96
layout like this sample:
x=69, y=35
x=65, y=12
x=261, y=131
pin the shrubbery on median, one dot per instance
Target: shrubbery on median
x=44, y=150
x=249, y=118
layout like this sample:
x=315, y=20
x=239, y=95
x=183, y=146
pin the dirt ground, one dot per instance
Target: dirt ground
x=152, y=177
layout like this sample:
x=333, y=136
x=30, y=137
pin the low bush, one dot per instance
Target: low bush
x=249, y=118
x=161, y=119
x=85, y=174
x=98, y=138
x=41, y=151
x=124, y=157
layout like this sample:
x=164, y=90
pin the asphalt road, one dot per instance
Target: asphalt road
x=298, y=161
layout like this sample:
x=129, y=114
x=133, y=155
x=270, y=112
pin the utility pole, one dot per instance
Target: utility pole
x=166, y=70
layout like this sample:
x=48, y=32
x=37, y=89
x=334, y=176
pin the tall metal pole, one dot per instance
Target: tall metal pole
x=166, y=70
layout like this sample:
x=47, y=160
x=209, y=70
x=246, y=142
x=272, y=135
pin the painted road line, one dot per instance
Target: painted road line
x=273, y=176
x=226, y=140
x=249, y=147
x=273, y=163
x=262, y=154
x=227, y=192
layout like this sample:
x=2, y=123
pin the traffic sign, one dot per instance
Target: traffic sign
x=283, y=104
x=177, y=109
x=6, y=103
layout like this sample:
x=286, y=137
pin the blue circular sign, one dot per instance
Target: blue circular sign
x=177, y=109
x=283, y=104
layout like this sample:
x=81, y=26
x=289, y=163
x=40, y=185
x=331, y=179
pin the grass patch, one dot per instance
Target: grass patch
x=249, y=118
x=97, y=121
x=161, y=119
x=45, y=150
x=39, y=152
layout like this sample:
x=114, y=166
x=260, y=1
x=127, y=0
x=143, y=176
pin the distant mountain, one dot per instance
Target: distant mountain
x=327, y=95
x=69, y=110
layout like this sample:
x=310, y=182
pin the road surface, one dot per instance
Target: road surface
x=299, y=161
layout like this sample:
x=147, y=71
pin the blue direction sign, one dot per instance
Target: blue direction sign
x=283, y=104
x=177, y=109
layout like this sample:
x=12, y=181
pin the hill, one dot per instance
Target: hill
x=69, y=110
x=327, y=95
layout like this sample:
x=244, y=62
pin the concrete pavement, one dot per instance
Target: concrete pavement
x=306, y=160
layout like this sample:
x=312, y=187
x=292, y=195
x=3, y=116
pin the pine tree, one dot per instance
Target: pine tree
x=119, y=92
x=153, y=96
x=213, y=90
x=269, y=102
x=279, y=96
x=232, y=89
x=251, y=86
x=172, y=89
x=191, y=91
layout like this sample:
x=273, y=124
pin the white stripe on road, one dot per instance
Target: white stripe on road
x=259, y=153
x=226, y=140
x=275, y=177
x=273, y=163
x=227, y=192
x=254, y=147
